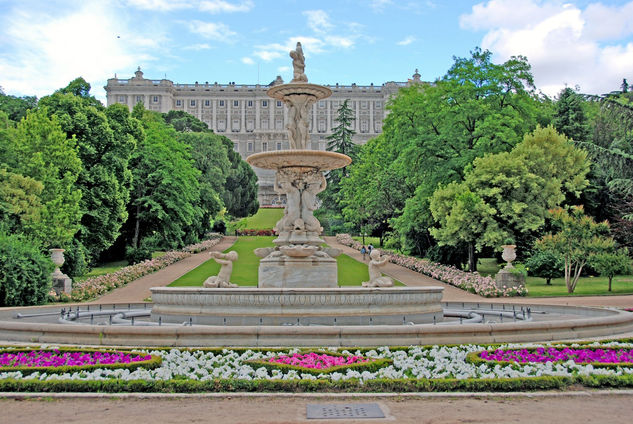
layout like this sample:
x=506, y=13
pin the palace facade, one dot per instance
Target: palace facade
x=251, y=119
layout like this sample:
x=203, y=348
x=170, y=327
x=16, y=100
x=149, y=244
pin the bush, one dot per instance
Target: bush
x=219, y=226
x=135, y=255
x=76, y=260
x=25, y=272
x=545, y=264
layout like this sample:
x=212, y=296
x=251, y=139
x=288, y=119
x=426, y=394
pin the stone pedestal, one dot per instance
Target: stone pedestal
x=62, y=284
x=507, y=279
x=281, y=271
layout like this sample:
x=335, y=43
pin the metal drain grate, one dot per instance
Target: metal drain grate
x=344, y=411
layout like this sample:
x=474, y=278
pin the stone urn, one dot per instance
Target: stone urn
x=57, y=256
x=509, y=254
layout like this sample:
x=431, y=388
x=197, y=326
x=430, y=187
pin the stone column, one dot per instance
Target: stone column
x=371, y=116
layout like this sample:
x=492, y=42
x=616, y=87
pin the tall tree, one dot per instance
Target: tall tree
x=105, y=139
x=16, y=107
x=240, y=191
x=570, y=118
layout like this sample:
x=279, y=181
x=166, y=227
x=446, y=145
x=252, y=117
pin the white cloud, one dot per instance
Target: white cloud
x=161, y=5
x=248, y=61
x=379, y=5
x=283, y=69
x=212, y=30
x=200, y=46
x=561, y=41
x=88, y=41
x=318, y=20
x=273, y=51
x=221, y=6
x=408, y=40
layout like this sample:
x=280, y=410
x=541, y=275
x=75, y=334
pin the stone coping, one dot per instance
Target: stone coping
x=590, y=322
x=279, y=92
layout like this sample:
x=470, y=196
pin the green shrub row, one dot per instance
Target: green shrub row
x=306, y=386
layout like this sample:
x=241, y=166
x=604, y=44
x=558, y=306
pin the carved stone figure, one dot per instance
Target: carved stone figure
x=223, y=278
x=314, y=184
x=376, y=279
x=285, y=184
x=298, y=64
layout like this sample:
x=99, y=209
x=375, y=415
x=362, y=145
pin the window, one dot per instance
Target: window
x=321, y=104
x=364, y=126
x=121, y=99
x=278, y=103
x=207, y=103
x=264, y=124
x=192, y=103
x=250, y=103
x=278, y=146
x=155, y=99
x=178, y=102
x=249, y=146
x=235, y=147
x=222, y=103
x=139, y=99
x=250, y=125
x=264, y=103
x=279, y=123
x=221, y=125
x=363, y=104
x=235, y=127
x=264, y=146
x=378, y=105
x=236, y=103
x=321, y=125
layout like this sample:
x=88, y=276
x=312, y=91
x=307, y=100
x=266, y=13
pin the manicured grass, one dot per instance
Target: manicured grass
x=245, y=269
x=374, y=241
x=622, y=284
x=264, y=219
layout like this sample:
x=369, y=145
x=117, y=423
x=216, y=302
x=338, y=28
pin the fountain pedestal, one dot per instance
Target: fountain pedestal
x=299, y=259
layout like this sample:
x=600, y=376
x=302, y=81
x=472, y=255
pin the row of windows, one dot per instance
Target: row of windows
x=250, y=145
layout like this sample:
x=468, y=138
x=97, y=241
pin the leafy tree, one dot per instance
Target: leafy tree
x=579, y=240
x=545, y=264
x=570, y=118
x=240, y=191
x=20, y=202
x=464, y=218
x=185, y=122
x=166, y=192
x=38, y=149
x=16, y=107
x=211, y=159
x=105, y=140
x=609, y=264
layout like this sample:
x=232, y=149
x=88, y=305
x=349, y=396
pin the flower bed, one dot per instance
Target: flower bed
x=414, y=368
x=596, y=357
x=254, y=232
x=55, y=361
x=320, y=362
x=97, y=286
x=470, y=281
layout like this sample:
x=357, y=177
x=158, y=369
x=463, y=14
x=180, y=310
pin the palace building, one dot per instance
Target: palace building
x=251, y=119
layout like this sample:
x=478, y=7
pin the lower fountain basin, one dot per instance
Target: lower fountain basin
x=298, y=306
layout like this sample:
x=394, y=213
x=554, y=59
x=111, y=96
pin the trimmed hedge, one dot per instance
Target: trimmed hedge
x=152, y=363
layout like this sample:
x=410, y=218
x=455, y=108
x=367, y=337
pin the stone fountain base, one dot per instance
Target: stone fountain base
x=300, y=306
x=288, y=272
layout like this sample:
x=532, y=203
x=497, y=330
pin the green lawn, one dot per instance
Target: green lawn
x=105, y=268
x=622, y=284
x=350, y=271
x=264, y=219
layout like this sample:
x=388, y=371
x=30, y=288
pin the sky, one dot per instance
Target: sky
x=586, y=45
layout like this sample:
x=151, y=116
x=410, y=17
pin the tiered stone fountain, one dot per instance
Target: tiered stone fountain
x=297, y=282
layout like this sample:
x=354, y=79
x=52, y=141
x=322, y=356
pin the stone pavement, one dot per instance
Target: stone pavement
x=138, y=290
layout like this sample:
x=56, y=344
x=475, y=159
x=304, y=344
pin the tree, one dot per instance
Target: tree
x=545, y=264
x=340, y=140
x=570, y=118
x=105, y=138
x=20, y=203
x=240, y=191
x=39, y=150
x=16, y=107
x=166, y=192
x=578, y=240
x=464, y=218
x=185, y=122
x=609, y=264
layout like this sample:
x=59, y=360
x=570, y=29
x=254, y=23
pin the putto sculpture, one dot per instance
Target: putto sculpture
x=298, y=64
x=376, y=279
x=223, y=278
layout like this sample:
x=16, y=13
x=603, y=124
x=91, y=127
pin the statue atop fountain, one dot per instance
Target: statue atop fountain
x=299, y=260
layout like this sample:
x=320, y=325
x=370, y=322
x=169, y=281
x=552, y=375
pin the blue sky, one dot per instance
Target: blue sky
x=45, y=44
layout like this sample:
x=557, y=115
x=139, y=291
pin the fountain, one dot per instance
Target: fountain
x=297, y=283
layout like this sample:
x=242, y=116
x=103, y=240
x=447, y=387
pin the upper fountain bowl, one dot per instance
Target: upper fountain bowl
x=279, y=92
x=315, y=159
